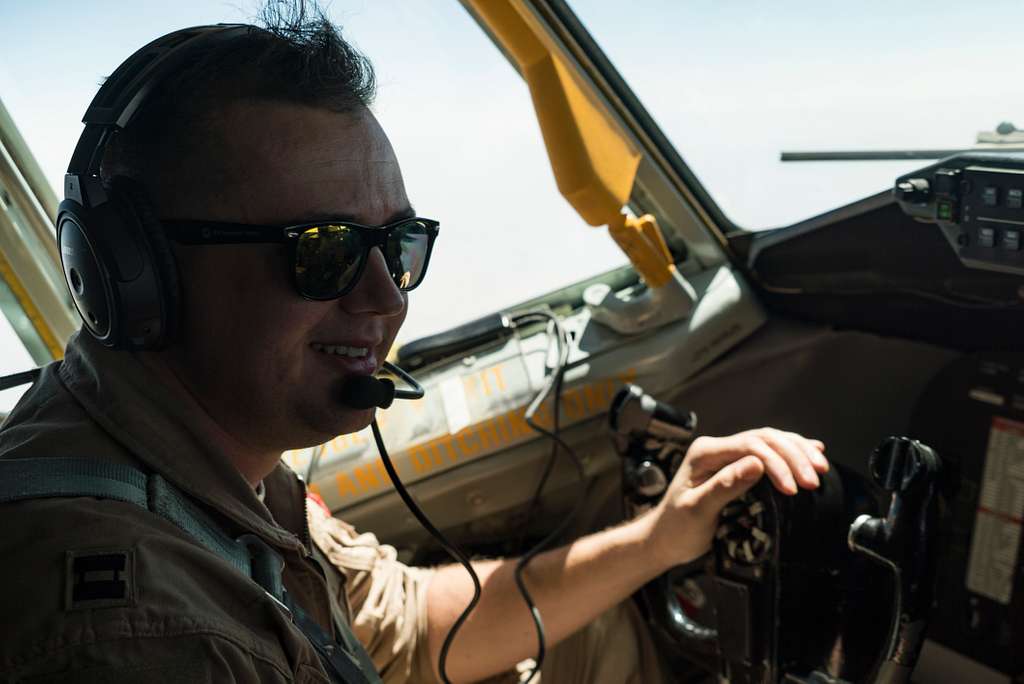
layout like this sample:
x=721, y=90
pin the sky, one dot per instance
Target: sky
x=732, y=82
x=735, y=82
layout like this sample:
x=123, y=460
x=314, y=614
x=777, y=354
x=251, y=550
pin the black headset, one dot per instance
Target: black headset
x=116, y=259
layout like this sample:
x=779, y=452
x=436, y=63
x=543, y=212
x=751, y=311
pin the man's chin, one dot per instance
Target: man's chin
x=354, y=420
x=322, y=421
x=344, y=420
x=315, y=427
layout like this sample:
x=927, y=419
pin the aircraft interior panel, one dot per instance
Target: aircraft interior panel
x=880, y=270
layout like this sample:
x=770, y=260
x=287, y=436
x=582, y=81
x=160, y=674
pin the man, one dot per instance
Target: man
x=273, y=130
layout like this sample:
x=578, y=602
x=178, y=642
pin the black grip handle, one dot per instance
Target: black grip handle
x=904, y=543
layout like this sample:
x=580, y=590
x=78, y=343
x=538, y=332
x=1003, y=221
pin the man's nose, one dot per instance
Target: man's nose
x=376, y=291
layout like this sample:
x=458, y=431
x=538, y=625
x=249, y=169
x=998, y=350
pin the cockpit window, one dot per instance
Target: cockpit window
x=735, y=84
x=458, y=115
x=14, y=357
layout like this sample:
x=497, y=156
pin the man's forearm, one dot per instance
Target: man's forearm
x=571, y=585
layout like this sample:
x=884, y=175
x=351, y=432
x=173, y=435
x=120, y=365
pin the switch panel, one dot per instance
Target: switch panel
x=977, y=200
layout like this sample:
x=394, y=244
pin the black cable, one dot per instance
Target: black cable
x=452, y=550
x=555, y=383
x=22, y=378
x=314, y=461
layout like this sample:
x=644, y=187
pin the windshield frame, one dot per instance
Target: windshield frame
x=560, y=15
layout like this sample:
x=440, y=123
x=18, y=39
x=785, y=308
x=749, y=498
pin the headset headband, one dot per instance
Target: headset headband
x=122, y=94
x=119, y=270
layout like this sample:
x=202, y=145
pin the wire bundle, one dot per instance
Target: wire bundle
x=553, y=385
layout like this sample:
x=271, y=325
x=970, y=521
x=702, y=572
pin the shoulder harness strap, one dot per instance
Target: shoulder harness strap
x=38, y=478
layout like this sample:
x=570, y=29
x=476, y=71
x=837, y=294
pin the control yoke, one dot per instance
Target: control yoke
x=798, y=586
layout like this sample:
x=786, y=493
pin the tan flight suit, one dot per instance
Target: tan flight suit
x=180, y=613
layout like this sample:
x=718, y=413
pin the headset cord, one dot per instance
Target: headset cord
x=452, y=550
x=314, y=461
x=555, y=384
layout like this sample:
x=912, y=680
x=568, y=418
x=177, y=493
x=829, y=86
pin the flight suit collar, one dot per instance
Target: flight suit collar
x=159, y=424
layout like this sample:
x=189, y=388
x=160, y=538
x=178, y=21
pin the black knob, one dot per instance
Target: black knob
x=913, y=190
x=650, y=480
x=898, y=463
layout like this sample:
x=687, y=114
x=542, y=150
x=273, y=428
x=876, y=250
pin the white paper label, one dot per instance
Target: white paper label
x=456, y=408
x=1000, y=516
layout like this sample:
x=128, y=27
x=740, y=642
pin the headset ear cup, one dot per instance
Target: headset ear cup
x=86, y=273
x=132, y=196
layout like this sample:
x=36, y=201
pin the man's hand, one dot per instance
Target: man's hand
x=574, y=584
x=717, y=470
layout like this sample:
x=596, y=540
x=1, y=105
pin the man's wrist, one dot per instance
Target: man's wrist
x=657, y=554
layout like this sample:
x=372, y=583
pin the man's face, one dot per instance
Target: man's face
x=252, y=350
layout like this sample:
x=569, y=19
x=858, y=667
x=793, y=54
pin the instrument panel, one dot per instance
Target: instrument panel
x=977, y=199
x=973, y=413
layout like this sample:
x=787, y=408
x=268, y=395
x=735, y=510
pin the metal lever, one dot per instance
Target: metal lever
x=668, y=296
x=903, y=542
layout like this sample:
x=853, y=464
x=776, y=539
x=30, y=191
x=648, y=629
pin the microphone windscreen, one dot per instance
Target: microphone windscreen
x=366, y=391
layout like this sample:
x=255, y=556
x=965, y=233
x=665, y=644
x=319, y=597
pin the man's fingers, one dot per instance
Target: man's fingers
x=814, y=448
x=729, y=483
x=795, y=456
x=775, y=466
x=788, y=457
x=717, y=452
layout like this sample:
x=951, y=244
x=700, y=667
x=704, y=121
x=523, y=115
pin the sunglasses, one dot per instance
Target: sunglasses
x=327, y=257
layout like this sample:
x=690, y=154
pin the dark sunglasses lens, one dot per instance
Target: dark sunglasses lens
x=327, y=260
x=407, y=252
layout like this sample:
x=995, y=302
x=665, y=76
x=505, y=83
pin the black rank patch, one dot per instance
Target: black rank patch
x=99, y=578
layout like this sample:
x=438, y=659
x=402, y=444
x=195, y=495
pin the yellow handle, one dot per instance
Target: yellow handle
x=643, y=243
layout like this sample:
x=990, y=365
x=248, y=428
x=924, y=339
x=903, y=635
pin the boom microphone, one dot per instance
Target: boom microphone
x=366, y=391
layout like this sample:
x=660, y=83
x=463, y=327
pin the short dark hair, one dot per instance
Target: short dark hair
x=294, y=54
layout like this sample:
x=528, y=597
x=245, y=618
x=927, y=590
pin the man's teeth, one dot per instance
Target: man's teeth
x=340, y=350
